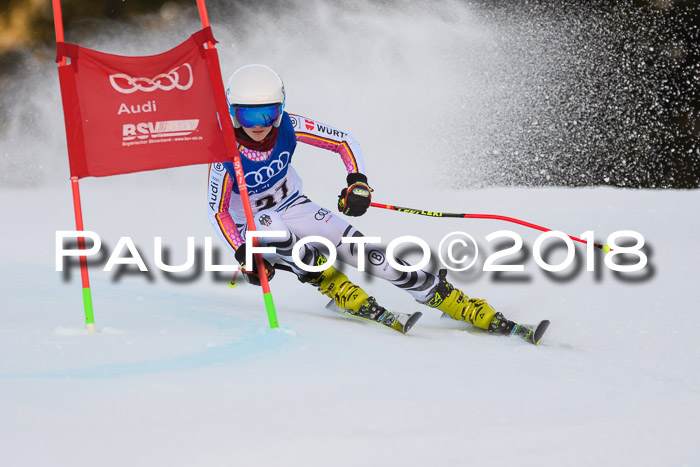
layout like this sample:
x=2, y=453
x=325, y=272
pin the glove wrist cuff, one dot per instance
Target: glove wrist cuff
x=240, y=254
x=355, y=178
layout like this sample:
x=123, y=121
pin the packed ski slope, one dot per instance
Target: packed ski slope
x=188, y=373
x=185, y=371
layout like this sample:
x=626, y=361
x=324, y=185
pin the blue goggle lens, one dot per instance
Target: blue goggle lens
x=251, y=116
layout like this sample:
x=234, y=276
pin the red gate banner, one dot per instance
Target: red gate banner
x=130, y=114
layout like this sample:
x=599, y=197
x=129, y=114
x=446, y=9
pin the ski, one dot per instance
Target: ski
x=401, y=322
x=531, y=333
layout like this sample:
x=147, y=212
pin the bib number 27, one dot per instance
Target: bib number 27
x=271, y=200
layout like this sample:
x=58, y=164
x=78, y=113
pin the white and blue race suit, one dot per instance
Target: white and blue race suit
x=278, y=203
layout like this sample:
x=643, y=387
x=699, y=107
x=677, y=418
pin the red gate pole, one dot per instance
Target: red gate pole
x=87, y=294
x=58, y=25
x=227, y=127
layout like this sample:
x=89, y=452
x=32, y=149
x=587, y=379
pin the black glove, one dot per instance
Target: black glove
x=252, y=277
x=356, y=198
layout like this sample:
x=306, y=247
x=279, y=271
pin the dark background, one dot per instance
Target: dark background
x=662, y=35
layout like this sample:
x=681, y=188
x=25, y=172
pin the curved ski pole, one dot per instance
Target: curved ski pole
x=421, y=212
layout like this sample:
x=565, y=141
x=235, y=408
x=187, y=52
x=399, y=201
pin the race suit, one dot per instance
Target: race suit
x=278, y=203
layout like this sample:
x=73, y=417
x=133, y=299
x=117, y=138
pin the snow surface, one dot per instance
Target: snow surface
x=187, y=372
x=190, y=374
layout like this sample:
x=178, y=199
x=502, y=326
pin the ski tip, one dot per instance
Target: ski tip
x=539, y=331
x=411, y=321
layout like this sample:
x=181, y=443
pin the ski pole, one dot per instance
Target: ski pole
x=421, y=212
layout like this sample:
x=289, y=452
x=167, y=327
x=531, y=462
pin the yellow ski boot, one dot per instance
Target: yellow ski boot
x=336, y=285
x=474, y=311
x=349, y=299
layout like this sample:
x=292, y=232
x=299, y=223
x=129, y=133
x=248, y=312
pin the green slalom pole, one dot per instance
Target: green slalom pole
x=87, y=294
x=87, y=304
x=270, y=308
x=232, y=147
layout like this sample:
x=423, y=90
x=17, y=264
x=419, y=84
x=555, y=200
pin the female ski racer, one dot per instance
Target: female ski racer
x=267, y=137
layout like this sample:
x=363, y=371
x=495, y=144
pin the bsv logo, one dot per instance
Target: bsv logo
x=178, y=78
x=153, y=130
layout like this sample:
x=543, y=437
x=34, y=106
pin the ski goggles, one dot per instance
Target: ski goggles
x=256, y=115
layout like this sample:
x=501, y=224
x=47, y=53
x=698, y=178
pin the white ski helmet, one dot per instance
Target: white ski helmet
x=255, y=86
